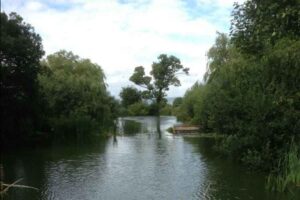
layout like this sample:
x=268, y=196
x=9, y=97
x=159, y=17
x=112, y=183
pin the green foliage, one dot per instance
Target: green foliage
x=129, y=96
x=75, y=93
x=164, y=74
x=290, y=175
x=133, y=102
x=166, y=110
x=138, y=109
x=217, y=56
x=165, y=71
x=190, y=108
x=131, y=127
x=139, y=78
x=251, y=91
x=256, y=24
x=254, y=100
x=177, y=102
x=170, y=130
x=20, y=51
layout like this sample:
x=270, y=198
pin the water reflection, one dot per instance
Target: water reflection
x=52, y=170
x=130, y=127
x=231, y=180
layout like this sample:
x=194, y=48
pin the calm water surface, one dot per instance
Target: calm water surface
x=137, y=165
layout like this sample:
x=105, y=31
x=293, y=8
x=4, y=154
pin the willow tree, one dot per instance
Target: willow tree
x=164, y=74
x=75, y=92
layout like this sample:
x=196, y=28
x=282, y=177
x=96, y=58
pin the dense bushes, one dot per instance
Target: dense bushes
x=75, y=94
x=255, y=101
x=251, y=92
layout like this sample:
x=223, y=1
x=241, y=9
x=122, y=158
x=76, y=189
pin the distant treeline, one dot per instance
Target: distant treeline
x=251, y=90
x=61, y=96
x=134, y=103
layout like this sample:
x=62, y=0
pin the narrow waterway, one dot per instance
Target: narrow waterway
x=138, y=164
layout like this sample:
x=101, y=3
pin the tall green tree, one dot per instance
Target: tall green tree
x=76, y=95
x=164, y=74
x=217, y=56
x=20, y=53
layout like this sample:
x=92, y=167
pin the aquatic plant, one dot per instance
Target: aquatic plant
x=289, y=174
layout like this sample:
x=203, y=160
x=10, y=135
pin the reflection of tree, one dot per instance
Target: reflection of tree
x=35, y=167
x=115, y=139
x=158, y=126
x=131, y=127
x=115, y=129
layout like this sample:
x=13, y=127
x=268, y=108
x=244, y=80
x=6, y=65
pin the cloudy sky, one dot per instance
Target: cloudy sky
x=122, y=34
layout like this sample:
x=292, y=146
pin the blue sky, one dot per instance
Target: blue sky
x=122, y=34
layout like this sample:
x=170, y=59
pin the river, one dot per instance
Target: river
x=138, y=164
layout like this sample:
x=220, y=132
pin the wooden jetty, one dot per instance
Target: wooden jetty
x=185, y=129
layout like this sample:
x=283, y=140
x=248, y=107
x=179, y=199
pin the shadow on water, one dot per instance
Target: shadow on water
x=33, y=166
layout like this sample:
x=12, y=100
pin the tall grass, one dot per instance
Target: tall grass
x=289, y=175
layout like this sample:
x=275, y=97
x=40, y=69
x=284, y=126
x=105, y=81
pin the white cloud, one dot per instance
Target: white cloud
x=220, y=3
x=120, y=37
x=34, y=6
x=229, y=3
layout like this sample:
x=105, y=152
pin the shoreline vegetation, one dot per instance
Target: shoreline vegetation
x=250, y=93
x=249, y=96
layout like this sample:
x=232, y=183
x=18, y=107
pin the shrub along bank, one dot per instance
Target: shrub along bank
x=251, y=91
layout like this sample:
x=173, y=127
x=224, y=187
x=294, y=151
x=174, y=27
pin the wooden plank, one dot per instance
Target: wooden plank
x=185, y=128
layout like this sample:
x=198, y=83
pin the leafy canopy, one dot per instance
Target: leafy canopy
x=129, y=96
x=164, y=73
x=74, y=89
x=256, y=23
x=20, y=53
